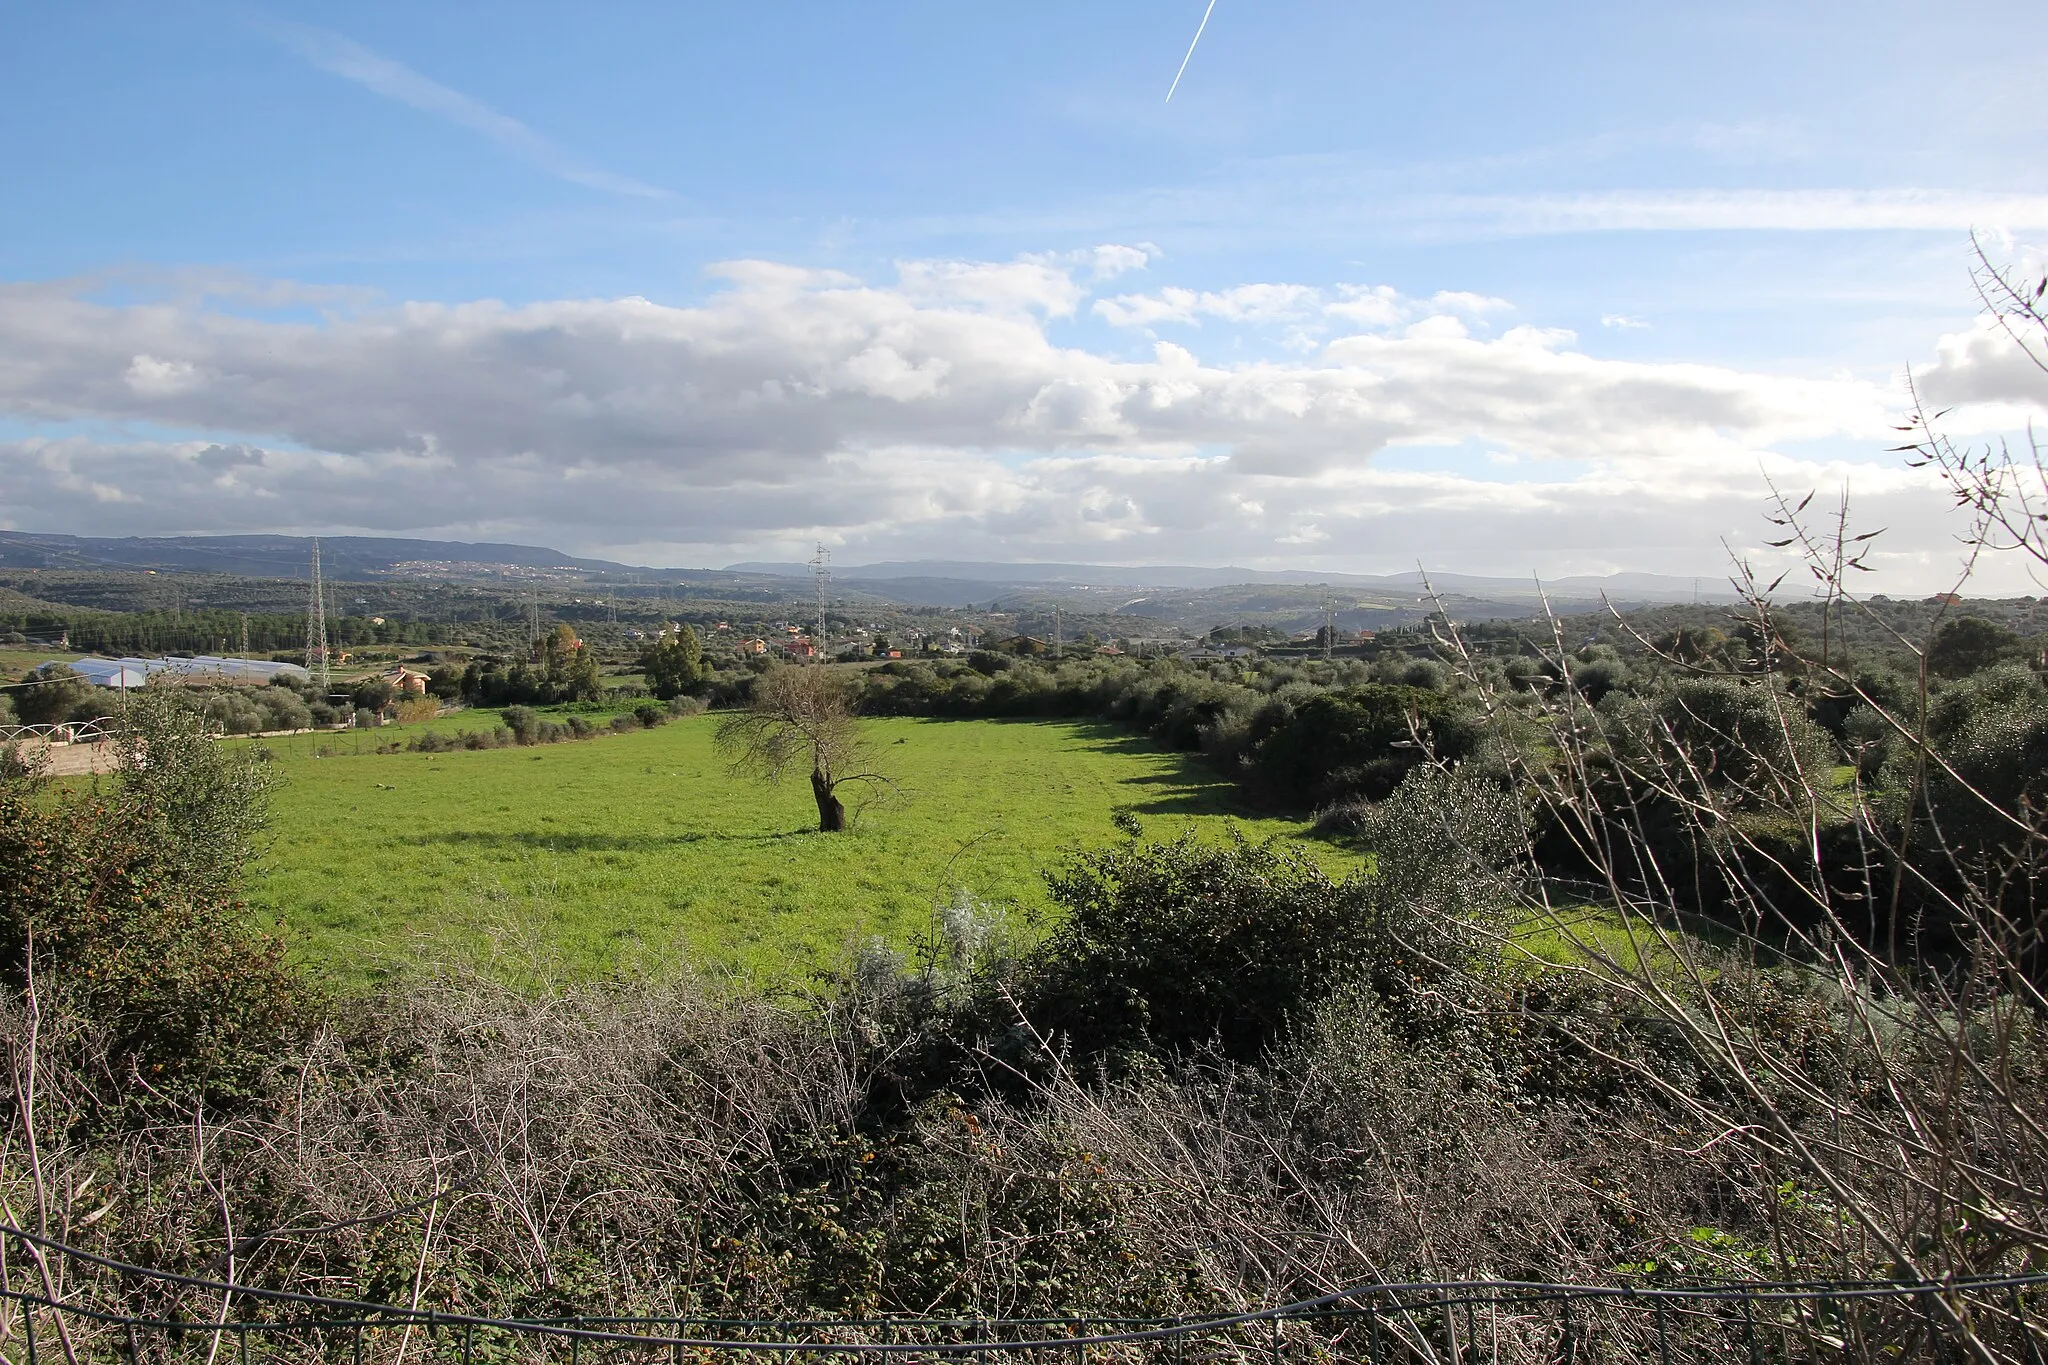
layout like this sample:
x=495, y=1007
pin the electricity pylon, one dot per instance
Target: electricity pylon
x=316, y=630
x=821, y=570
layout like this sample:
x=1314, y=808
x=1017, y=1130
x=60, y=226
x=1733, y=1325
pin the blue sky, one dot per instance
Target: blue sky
x=1502, y=287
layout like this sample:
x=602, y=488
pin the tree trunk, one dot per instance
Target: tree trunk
x=831, y=814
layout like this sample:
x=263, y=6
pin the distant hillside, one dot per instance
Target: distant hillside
x=921, y=582
x=18, y=602
x=955, y=580
x=277, y=556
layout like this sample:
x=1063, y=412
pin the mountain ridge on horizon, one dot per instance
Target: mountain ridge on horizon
x=1046, y=573
x=287, y=556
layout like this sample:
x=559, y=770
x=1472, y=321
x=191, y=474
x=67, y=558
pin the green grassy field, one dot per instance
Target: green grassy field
x=16, y=660
x=639, y=851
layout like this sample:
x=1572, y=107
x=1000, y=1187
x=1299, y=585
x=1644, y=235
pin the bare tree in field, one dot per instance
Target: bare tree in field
x=802, y=715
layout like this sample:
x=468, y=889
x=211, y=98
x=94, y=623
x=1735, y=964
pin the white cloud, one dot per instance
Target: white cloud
x=1029, y=284
x=1308, y=308
x=156, y=378
x=1987, y=369
x=1459, y=301
x=396, y=81
x=936, y=415
x=1621, y=322
x=1379, y=305
x=1814, y=210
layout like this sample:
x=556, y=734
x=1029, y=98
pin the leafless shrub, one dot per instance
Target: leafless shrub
x=1868, y=1010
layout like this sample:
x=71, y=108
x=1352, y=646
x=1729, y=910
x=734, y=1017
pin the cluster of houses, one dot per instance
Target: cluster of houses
x=793, y=642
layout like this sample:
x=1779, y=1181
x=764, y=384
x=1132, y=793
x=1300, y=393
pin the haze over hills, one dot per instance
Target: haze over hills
x=1636, y=586
x=945, y=580
x=273, y=556
x=1177, y=596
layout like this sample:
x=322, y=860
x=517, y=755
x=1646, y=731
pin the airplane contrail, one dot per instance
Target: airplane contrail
x=1191, y=51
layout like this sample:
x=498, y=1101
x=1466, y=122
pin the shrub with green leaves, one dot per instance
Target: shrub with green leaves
x=674, y=665
x=125, y=906
x=1177, y=944
x=1969, y=643
x=51, y=694
x=1357, y=742
x=1751, y=742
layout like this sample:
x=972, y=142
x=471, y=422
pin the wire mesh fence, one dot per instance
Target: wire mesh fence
x=60, y=1304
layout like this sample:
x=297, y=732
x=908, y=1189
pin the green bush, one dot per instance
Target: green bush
x=370, y=694
x=524, y=722
x=234, y=713
x=674, y=665
x=1165, y=946
x=1168, y=945
x=1969, y=643
x=1363, y=741
x=1749, y=741
x=125, y=905
x=282, y=709
x=55, y=693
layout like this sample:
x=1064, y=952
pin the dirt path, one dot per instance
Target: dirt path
x=74, y=760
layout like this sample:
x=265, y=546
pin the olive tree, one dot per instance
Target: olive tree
x=797, y=716
x=674, y=665
x=51, y=694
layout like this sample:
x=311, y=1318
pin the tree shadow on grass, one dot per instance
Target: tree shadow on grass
x=1204, y=802
x=1188, y=785
x=545, y=842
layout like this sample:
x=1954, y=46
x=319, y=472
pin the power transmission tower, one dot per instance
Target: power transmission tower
x=245, y=634
x=1329, y=625
x=821, y=570
x=1058, y=633
x=316, y=630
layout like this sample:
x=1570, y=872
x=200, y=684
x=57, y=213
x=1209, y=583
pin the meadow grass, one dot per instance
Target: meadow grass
x=1579, y=935
x=17, y=660
x=640, y=851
